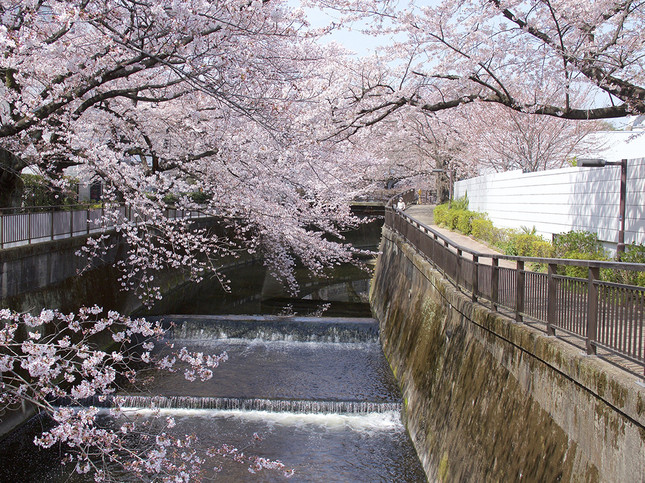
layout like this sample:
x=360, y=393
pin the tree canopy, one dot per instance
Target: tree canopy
x=162, y=99
x=532, y=56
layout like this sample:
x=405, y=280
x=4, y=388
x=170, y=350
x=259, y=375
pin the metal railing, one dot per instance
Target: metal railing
x=605, y=315
x=26, y=226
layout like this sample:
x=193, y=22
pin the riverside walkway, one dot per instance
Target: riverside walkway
x=424, y=214
x=601, y=318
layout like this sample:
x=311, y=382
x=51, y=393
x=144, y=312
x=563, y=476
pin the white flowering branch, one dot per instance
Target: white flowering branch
x=54, y=357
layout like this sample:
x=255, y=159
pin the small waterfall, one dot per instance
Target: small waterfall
x=294, y=329
x=331, y=411
x=242, y=404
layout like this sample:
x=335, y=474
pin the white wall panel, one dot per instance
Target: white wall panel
x=561, y=200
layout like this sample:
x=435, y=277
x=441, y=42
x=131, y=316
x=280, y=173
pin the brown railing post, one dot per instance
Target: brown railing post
x=458, y=275
x=435, y=247
x=494, y=282
x=519, y=291
x=475, y=281
x=51, y=217
x=551, y=302
x=2, y=230
x=71, y=223
x=29, y=227
x=592, y=310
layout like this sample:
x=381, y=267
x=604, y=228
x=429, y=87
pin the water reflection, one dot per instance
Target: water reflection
x=342, y=291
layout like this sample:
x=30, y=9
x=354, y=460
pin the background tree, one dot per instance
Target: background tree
x=423, y=150
x=501, y=139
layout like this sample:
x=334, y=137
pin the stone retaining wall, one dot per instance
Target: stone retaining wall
x=488, y=399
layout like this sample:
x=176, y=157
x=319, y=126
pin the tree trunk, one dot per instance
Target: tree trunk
x=442, y=182
x=11, y=185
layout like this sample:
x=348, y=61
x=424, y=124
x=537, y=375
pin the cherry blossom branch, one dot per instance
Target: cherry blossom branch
x=54, y=358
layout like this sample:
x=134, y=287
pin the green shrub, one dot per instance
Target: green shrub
x=499, y=237
x=39, y=191
x=483, y=229
x=464, y=221
x=508, y=241
x=579, y=272
x=441, y=214
x=453, y=218
x=460, y=203
x=542, y=249
x=577, y=242
x=170, y=199
x=578, y=245
x=528, y=231
x=200, y=197
x=524, y=244
x=633, y=254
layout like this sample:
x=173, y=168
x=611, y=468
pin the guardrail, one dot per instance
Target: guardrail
x=604, y=314
x=23, y=226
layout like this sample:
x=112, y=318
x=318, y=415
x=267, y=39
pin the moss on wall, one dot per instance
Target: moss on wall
x=492, y=400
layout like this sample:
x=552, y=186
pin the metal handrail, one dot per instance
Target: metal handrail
x=537, y=260
x=37, y=226
x=17, y=210
x=605, y=315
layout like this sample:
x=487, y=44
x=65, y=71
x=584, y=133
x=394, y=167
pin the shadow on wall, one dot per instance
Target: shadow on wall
x=595, y=202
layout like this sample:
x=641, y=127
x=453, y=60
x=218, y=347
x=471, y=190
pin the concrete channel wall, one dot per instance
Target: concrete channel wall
x=488, y=399
x=48, y=275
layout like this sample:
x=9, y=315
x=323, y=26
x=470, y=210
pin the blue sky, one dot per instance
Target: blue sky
x=351, y=38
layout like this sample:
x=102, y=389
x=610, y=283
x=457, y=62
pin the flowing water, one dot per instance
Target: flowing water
x=317, y=391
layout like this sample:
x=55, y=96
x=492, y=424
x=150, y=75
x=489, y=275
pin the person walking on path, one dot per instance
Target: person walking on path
x=400, y=204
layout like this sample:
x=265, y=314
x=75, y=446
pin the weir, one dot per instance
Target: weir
x=245, y=404
x=318, y=391
x=263, y=327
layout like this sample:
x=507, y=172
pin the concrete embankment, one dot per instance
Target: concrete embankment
x=488, y=399
x=48, y=275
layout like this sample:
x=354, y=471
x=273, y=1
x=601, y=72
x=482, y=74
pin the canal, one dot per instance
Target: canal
x=306, y=382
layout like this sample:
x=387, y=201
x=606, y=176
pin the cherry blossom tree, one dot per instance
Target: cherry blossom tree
x=221, y=106
x=502, y=139
x=423, y=150
x=164, y=100
x=531, y=56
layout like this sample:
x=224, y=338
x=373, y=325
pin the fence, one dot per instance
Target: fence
x=20, y=226
x=605, y=315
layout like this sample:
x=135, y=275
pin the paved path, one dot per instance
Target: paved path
x=423, y=214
